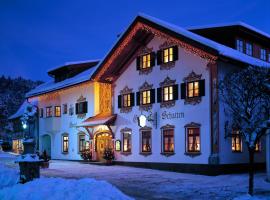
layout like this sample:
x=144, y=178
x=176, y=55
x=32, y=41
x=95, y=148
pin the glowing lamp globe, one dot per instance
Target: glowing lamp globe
x=24, y=126
x=142, y=120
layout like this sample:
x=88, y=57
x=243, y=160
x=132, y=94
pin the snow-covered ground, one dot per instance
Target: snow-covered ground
x=54, y=188
x=154, y=184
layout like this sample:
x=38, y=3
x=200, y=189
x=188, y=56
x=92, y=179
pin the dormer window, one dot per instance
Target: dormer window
x=240, y=45
x=249, y=49
x=263, y=54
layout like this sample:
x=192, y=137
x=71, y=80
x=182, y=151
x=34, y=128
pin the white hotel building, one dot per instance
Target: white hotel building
x=161, y=71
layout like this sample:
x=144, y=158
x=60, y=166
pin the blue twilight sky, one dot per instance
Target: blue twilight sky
x=36, y=35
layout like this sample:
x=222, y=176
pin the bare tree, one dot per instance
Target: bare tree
x=247, y=107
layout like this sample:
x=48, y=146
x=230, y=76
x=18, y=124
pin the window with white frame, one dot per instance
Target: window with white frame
x=263, y=54
x=240, y=45
x=249, y=49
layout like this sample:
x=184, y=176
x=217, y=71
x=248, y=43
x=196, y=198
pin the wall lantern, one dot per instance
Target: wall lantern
x=142, y=121
x=24, y=125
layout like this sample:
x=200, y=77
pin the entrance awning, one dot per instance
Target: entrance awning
x=98, y=120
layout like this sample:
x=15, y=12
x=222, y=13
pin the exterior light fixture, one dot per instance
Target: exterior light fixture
x=24, y=125
x=142, y=121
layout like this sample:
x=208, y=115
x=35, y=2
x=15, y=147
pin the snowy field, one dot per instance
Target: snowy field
x=143, y=183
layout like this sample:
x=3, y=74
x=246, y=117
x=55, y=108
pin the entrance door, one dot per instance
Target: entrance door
x=46, y=144
x=104, y=140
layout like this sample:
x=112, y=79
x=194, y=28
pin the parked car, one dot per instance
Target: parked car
x=6, y=146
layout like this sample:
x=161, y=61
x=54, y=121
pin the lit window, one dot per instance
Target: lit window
x=81, y=143
x=240, y=45
x=126, y=100
x=65, y=144
x=263, y=54
x=48, y=111
x=193, y=89
x=168, y=140
x=146, y=97
x=65, y=109
x=41, y=112
x=57, y=111
x=146, y=141
x=258, y=146
x=249, y=49
x=168, y=93
x=168, y=55
x=146, y=61
x=193, y=140
x=127, y=142
x=236, y=141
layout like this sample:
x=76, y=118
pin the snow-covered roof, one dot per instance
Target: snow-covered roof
x=22, y=108
x=222, y=49
x=73, y=63
x=230, y=24
x=52, y=86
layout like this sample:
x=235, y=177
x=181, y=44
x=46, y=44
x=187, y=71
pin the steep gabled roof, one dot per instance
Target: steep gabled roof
x=51, y=86
x=196, y=40
x=241, y=24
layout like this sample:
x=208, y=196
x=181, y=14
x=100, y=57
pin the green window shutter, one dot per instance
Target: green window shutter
x=138, y=100
x=159, y=57
x=132, y=99
x=175, y=53
x=202, y=87
x=175, y=92
x=85, y=107
x=77, y=108
x=153, y=59
x=119, y=101
x=152, y=96
x=183, y=90
x=159, y=97
x=138, y=63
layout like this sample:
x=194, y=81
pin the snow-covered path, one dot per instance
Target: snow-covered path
x=154, y=184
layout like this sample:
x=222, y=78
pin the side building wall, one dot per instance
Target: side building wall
x=227, y=156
